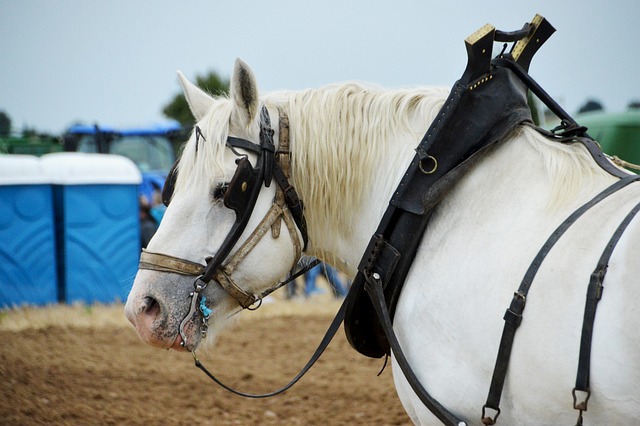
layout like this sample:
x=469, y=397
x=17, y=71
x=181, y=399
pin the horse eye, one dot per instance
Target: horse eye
x=220, y=190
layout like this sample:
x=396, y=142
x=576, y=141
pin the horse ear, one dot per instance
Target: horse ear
x=199, y=102
x=244, y=90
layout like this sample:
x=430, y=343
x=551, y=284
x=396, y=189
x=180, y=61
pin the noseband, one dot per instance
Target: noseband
x=241, y=196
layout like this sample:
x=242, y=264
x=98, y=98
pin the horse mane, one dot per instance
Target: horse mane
x=339, y=133
x=569, y=167
x=345, y=131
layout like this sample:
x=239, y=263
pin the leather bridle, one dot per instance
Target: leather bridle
x=241, y=195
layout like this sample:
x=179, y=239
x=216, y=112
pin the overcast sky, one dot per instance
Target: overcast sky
x=114, y=62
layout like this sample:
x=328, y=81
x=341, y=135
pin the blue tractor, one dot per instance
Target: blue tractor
x=151, y=148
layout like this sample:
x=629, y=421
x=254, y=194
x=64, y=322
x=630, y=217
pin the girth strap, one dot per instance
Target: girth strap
x=513, y=315
x=594, y=293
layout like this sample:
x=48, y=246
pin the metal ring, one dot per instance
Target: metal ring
x=253, y=306
x=435, y=165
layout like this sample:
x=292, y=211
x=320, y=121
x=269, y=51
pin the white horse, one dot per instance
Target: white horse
x=350, y=146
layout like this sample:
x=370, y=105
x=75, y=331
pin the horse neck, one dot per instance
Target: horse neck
x=542, y=180
x=346, y=164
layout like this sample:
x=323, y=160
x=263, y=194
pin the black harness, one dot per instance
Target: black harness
x=487, y=103
x=513, y=315
x=244, y=187
x=239, y=195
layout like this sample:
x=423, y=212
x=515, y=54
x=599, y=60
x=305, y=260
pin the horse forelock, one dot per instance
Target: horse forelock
x=202, y=157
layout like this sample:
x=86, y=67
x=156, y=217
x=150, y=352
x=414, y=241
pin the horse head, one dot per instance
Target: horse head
x=228, y=234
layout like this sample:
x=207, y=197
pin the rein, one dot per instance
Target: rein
x=324, y=343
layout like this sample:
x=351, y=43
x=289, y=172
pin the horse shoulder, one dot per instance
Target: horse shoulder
x=477, y=249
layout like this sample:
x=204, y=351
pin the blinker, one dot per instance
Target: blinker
x=242, y=186
x=169, y=183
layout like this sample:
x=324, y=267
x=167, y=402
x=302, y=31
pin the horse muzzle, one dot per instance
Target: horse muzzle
x=158, y=315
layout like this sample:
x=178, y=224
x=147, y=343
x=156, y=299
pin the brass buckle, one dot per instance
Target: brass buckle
x=433, y=169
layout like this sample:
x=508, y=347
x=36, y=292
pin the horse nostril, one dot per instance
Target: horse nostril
x=150, y=306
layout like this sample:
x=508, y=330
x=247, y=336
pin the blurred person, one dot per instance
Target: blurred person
x=339, y=289
x=148, y=225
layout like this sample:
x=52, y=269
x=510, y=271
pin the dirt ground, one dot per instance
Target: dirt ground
x=84, y=365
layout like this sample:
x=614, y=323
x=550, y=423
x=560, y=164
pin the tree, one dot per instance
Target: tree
x=591, y=105
x=178, y=109
x=5, y=124
x=634, y=105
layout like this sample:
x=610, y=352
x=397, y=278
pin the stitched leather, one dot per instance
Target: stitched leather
x=475, y=117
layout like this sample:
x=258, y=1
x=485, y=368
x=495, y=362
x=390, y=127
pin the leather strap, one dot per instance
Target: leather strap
x=282, y=173
x=373, y=287
x=331, y=331
x=594, y=293
x=274, y=213
x=241, y=200
x=244, y=299
x=164, y=263
x=476, y=116
x=591, y=145
x=223, y=274
x=513, y=315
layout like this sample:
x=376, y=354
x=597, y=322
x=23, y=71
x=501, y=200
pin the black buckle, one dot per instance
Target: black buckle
x=487, y=420
x=267, y=145
x=582, y=406
x=569, y=129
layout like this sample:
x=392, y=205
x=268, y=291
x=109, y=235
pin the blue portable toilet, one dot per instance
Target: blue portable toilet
x=27, y=233
x=98, y=226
